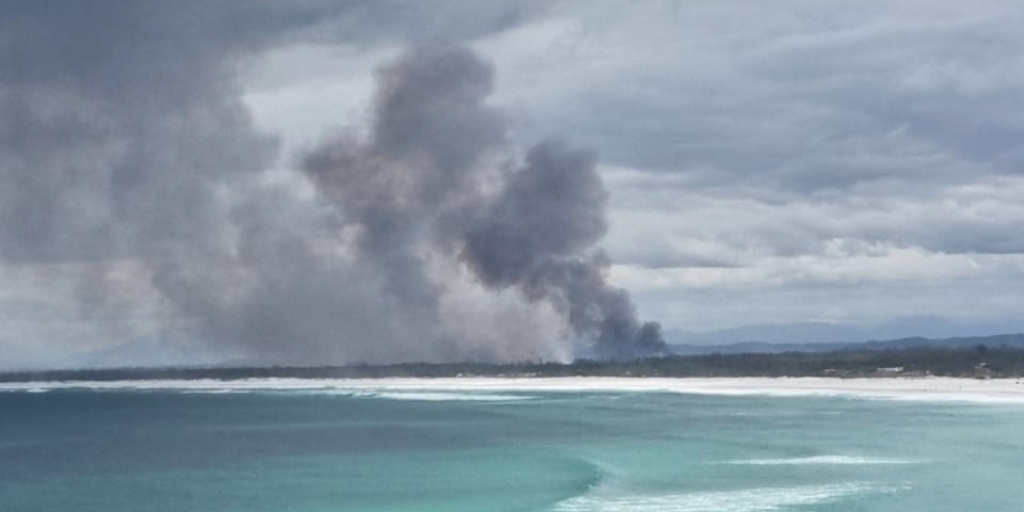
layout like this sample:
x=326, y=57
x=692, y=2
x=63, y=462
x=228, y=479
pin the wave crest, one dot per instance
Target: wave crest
x=745, y=500
x=822, y=459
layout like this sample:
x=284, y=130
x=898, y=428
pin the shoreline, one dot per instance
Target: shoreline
x=893, y=388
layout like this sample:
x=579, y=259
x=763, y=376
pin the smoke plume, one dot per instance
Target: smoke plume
x=429, y=178
x=130, y=159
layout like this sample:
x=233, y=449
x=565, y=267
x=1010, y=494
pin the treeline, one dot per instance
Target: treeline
x=981, y=361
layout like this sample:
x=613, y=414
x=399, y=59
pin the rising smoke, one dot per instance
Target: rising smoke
x=426, y=178
x=429, y=238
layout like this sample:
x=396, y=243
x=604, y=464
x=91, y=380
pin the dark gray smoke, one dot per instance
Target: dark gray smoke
x=427, y=177
x=536, y=235
x=127, y=156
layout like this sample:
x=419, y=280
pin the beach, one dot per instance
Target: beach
x=925, y=388
x=893, y=388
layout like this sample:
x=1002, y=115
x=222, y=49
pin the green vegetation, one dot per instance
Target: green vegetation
x=980, y=361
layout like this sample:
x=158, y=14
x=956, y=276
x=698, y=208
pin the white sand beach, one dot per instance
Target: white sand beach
x=924, y=388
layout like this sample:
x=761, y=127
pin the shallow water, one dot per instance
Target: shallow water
x=319, y=450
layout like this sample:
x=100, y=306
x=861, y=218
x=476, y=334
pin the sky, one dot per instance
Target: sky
x=170, y=192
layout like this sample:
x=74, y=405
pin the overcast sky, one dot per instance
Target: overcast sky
x=766, y=162
x=770, y=162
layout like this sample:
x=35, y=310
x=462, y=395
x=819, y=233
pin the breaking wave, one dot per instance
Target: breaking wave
x=425, y=396
x=745, y=500
x=304, y=386
x=822, y=459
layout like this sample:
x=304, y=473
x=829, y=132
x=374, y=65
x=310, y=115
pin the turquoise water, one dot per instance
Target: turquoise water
x=318, y=451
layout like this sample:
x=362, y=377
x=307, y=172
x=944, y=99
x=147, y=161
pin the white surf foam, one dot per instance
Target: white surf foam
x=923, y=389
x=822, y=459
x=746, y=500
x=450, y=397
x=305, y=386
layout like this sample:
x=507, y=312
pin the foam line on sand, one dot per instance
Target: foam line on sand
x=926, y=388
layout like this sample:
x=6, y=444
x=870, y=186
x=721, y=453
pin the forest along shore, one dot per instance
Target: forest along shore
x=977, y=362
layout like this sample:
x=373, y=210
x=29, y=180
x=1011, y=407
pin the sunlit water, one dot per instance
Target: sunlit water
x=307, y=450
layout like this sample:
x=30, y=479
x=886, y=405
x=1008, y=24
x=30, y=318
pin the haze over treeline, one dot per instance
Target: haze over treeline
x=131, y=164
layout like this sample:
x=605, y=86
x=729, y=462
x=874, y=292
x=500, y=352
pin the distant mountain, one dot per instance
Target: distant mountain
x=757, y=347
x=828, y=332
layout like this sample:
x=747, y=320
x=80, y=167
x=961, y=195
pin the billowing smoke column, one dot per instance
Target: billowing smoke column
x=427, y=174
x=132, y=173
x=535, y=235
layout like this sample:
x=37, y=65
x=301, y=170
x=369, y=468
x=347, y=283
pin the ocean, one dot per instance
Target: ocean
x=225, y=448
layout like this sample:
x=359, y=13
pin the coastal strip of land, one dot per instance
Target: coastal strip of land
x=895, y=388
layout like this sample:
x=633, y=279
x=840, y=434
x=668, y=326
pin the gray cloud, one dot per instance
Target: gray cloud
x=813, y=121
x=875, y=140
x=805, y=97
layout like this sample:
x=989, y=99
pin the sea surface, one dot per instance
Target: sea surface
x=222, y=449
